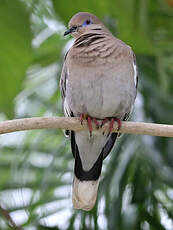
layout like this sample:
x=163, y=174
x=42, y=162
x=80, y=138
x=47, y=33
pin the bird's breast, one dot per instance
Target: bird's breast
x=100, y=93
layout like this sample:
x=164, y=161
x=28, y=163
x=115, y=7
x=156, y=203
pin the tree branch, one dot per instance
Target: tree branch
x=74, y=124
x=9, y=219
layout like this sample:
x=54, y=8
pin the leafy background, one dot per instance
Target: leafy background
x=36, y=167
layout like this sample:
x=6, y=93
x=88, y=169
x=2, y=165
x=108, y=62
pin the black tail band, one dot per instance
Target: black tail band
x=92, y=174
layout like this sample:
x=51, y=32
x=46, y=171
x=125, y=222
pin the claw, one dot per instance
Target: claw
x=111, y=124
x=96, y=122
x=81, y=118
x=118, y=122
x=104, y=122
x=89, y=119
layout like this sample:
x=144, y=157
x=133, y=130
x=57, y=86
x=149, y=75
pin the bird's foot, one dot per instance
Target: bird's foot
x=82, y=117
x=112, y=120
x=89, y=121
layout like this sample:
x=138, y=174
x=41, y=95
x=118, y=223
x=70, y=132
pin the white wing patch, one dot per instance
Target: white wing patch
x=135, y=74
x=67, y=111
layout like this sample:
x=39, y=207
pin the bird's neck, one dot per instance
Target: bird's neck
x=93, y=48
x=87, y=39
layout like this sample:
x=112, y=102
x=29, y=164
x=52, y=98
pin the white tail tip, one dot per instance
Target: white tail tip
x=84, y=194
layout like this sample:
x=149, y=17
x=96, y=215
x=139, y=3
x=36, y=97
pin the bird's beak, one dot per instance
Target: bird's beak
x=71, y=30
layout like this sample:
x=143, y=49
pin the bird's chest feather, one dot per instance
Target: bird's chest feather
x=98, y=94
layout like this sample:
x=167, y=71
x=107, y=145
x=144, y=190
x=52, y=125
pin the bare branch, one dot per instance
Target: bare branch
x=8, y=218
x=74, y=124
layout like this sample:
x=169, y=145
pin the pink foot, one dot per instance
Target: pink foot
x=81, y=118
x=89, y=121
x=111, y=124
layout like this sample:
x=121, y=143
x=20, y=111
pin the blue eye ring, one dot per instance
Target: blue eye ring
x=87, y=22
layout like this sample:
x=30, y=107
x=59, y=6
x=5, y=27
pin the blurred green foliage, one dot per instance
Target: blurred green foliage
x=15, y=51
x=36, y=167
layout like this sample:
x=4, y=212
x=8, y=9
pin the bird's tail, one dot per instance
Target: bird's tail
x=85, y=183
x=84, y=194
x=88, y=166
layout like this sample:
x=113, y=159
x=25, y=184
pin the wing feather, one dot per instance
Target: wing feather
x=63, y=86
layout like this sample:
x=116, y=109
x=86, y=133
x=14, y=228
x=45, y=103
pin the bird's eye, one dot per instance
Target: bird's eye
x=87, y=22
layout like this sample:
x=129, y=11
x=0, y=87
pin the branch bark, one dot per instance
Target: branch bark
x=74, y=124
x=9, y=219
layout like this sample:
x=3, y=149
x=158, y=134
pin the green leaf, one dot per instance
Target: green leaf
x=15, y=51
x=49, y=51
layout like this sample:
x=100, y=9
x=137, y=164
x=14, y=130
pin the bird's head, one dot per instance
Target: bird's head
x=84, y=22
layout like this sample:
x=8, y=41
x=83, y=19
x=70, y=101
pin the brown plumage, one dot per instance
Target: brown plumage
x=99, y=79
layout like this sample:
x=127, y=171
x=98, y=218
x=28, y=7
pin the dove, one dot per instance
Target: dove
x=98, y=83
